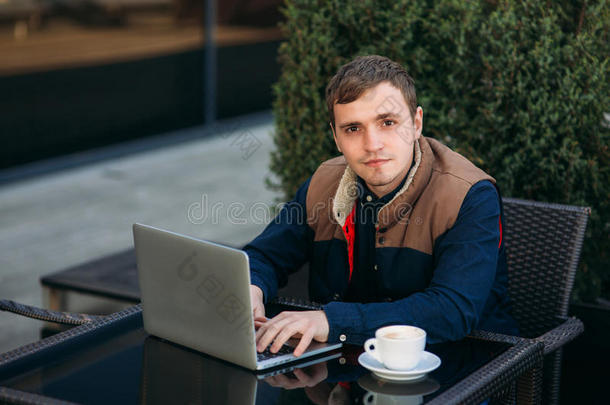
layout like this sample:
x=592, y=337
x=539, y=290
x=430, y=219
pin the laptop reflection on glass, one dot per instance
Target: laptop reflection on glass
x=197, y=294
x=175, y=375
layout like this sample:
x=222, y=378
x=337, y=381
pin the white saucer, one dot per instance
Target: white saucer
x=429, y=362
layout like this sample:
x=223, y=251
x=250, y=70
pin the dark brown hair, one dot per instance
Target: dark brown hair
x=363, y=73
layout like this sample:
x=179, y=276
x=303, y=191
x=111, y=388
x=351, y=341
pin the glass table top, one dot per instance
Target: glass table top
x=122, y=364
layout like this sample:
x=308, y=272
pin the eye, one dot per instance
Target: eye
x=349, y=130
x=388, y=123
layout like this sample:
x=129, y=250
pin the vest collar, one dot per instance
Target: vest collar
x=399, y=207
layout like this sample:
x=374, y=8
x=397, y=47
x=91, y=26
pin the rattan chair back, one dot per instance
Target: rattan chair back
x=543, y=243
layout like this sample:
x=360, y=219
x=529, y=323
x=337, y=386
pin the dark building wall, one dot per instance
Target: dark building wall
x=58, y=112
x=245, y=76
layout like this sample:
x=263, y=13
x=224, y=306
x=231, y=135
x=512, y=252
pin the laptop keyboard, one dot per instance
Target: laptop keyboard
x=285, y=349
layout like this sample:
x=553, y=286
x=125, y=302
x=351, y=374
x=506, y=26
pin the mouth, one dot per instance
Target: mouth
x=376, y=162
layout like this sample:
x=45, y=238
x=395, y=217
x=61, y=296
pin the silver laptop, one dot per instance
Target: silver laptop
x=196, y=293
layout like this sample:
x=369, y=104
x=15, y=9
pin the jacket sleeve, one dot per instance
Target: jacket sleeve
x=465, y=260
x=282, y=248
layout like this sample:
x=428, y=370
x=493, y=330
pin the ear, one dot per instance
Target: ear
x=334, y=136
x=418, y=122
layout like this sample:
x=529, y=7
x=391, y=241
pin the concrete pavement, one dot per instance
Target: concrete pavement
x=210, y=187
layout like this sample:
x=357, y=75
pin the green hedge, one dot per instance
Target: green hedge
x=519, y=87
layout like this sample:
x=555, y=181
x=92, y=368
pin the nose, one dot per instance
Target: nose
x=373, y=141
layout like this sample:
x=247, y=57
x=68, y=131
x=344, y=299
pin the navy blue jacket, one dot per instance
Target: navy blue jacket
x=439, y=257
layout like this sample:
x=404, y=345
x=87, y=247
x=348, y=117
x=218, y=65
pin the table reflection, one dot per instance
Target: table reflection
x=379, y=391
x=173, y=374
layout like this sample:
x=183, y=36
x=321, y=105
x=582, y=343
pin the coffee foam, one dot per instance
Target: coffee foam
x=402, y=333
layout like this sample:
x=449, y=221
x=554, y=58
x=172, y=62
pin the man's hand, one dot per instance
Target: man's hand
x=308, y=377
x=308, y=325
x=256, y=300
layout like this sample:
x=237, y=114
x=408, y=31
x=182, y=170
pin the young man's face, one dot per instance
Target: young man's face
x=376, y=134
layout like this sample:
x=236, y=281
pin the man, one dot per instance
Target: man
x=398, y=230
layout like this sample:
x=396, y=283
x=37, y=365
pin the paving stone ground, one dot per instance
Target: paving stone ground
x=210, y=187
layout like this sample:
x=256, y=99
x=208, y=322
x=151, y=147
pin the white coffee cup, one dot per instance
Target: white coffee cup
x=398, y=347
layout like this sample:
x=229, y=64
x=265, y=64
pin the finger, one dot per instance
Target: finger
x=305, y=379
x=259, y=321
x=273, y=381
x=289, y=330
x=304, y=342
x=262, y=329
x=293, y=326
x=317, y=372
x=267, y=333
x=259, y=312
x=286, y=382
x=276, y=322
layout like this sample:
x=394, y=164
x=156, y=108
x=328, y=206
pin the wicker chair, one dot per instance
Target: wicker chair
x=543, y=243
